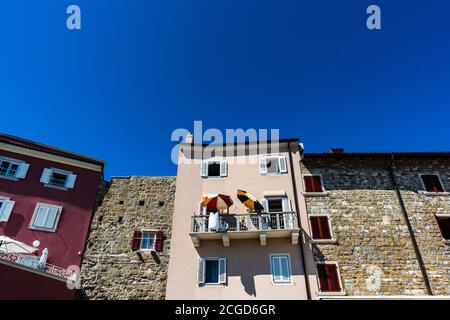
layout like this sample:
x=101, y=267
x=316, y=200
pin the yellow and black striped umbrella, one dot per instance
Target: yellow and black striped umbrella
x=249, y=201
x=217, y=202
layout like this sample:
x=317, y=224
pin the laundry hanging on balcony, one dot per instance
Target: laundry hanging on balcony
x=249, y=201
x=216, y=202
x=214, y=221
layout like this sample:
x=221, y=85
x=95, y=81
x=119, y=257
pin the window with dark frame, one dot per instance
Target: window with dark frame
x=212, y=271
x=272, y=165
x=444, y=226
x=432, y=183
x=313, y=183
x=58, y=179
x=328, y=277
x=214, y=169
x=320, y=227
x=8, y=168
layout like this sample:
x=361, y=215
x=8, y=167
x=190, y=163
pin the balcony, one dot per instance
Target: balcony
x=49, y=269
x=247, y=226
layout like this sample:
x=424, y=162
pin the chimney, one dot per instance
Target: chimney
x=189, y=138
x=336, y=150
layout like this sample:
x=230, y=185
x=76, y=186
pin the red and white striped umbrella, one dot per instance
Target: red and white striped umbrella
x=217, y=201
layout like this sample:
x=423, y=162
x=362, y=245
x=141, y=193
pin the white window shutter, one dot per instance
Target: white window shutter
x=204, y=169
x=286, y=203
x=223, y=168
x=22, y=170
x=201, y=271
x=265, y=205
x=6, y=210
x=222, y=270
x=70, y=182
x=282, y=164
x=46, y=174
x=263, y=165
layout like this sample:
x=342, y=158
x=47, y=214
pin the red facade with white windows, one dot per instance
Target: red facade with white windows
x=46, y=195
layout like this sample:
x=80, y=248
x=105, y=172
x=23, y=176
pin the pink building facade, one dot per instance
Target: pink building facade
x=251, y=255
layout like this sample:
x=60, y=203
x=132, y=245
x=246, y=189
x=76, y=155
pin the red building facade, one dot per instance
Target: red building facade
x=47, y=197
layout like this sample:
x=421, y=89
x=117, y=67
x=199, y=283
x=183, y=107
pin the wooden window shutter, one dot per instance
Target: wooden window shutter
x=313, y=184
x=328, y=278
x=6, y=210
x=204, y=169
x=136, y=242
x=320, y=227
x=70, y=183
x=223, y=168
x=263, y=165
x=46, y=174
x=308, y=183
x=332, y=277
x=159, y=241
x=201, y=271
x=282, y=164
x=222, y=270
x=315, y=227
x=22, y=170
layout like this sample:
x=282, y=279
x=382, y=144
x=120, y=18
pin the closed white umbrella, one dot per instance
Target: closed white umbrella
x=43, y=259
x=10, y=245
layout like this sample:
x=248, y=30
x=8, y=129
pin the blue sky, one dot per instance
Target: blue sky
x=139, y=69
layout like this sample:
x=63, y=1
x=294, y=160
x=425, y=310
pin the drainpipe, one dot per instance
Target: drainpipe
x=423, y=270
x=302, y=253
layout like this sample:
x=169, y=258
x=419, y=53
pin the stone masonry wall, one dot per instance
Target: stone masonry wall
x=421, y=210
x=110, y=270
x=374, y=251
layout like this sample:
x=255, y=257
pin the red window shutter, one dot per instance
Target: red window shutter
x=308, y=183
x=328, y=278
x=320, y=228
x=333, y=278
x=136, y=242
x=315, y=226
x=323, y=283
x=159, y=240
x=317, y=184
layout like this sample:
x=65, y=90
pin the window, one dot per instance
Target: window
x=148, y=240
x=214, y=168
x=431, y=183
x=320, y=227
x=329, y=278
x=444, y=226
x=58, y=178
x=212, y=270
x=280, y=215
x=6, y=207
x=280, y=265
x=313, y=183
x=45, y=217
x=272, y=165
x=276, y=204
x=15, y=169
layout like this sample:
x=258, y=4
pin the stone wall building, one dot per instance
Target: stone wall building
x=383, y=244
x=124, y=258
